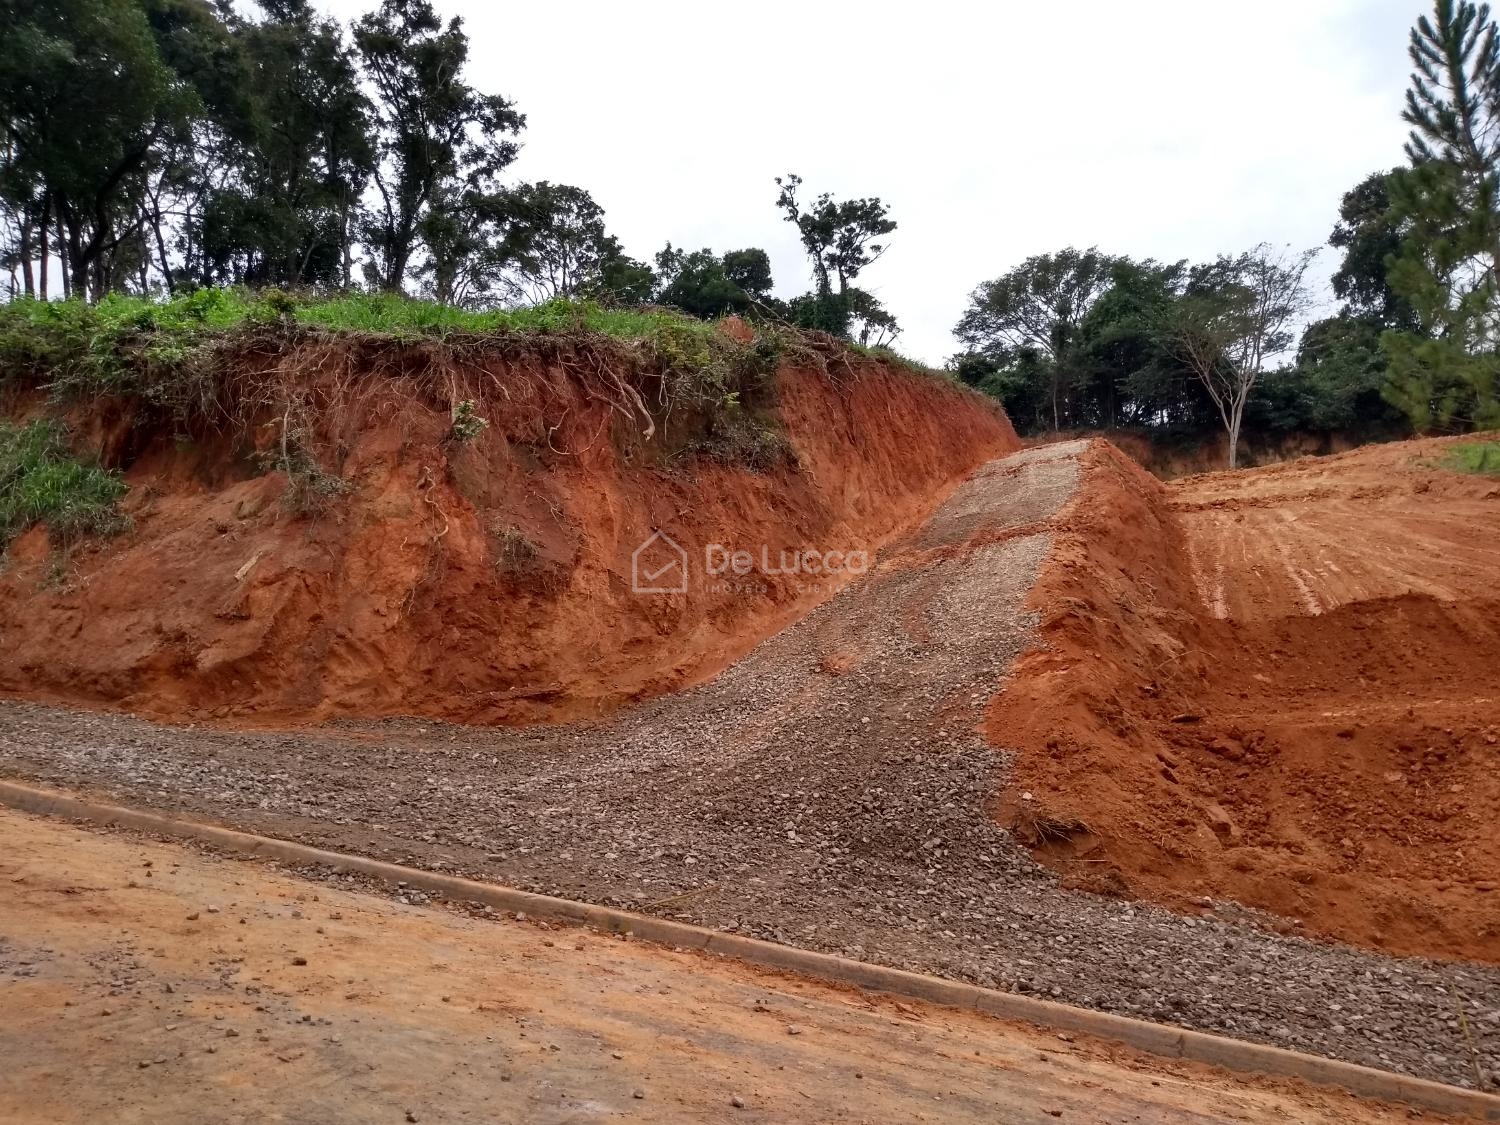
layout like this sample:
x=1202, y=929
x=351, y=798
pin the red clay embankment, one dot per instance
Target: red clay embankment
x=483, y=582
x=1277, y=686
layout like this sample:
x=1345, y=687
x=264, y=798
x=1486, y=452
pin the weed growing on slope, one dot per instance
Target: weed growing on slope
x=466, y=424
x=1479, y=457
x=896, y=359
x=739, y=437
x=42, y=482
x=311, y=489
x=162, y=351
x=514, y=552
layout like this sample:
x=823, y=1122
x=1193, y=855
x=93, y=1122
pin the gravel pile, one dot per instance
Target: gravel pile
x=827, y=791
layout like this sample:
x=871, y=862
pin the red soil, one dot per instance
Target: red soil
x=481, y=583
x=1310, y=725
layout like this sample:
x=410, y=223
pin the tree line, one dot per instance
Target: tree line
x=1085, y=340
x=159, y=146
x=162, y=146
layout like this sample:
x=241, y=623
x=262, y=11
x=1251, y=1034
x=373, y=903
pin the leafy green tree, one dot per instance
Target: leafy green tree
x=622, y=279
x=1128, y=372
x=1342, y=371
x=1369, y=232
x=821, y=312
x=842, y=239
x=87, y=103
x=870, y=323
x=750, y=269
x=1445, y=375
x=296, y=155
x=1020, y=380
x=697, y=283
x=556, y=245
x=440, y=143
x=707, y=286
x=1037, y=307
x=463, y=233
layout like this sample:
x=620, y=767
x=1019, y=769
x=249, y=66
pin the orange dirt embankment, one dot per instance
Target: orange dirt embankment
x=1280, y=687
x=487, y=582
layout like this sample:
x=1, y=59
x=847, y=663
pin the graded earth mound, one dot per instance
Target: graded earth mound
x=1278, y=686
x=409, y=568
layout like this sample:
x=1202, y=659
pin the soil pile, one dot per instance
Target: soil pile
x=1277, y=686
x=425, y=564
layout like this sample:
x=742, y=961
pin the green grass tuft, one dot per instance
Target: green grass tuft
x=896, y=359
x=42, y=482
x=1480, y=457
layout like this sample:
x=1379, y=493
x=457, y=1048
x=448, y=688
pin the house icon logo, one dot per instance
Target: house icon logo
x=659, y=566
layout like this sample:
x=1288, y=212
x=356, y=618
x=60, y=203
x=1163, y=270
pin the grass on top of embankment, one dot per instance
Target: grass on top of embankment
x=1481, y=458
x=179, y=355
x=73, y=346
x=217, y=356
x=26, y=322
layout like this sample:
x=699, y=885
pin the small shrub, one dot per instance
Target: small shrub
x=739, y=438
x=467, y=424
x=1035, y=827
x=42, y=482
x=311, y=489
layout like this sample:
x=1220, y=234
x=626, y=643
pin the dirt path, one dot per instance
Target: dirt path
x=145, y=982
x=831, y=791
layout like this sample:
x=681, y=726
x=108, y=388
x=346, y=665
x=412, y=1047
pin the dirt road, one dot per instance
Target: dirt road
x=145, y=982
x=832, y=791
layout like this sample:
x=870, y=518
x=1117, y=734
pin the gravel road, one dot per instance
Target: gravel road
x=827, y=791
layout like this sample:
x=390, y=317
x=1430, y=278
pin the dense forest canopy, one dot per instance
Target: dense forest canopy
x=158, y=147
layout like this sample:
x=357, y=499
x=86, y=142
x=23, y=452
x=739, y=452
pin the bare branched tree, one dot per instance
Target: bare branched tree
x=1235, y=314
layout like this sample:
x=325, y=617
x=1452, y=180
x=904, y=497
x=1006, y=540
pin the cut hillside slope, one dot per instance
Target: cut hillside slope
x=352, y=542
x=1172, y=458
x=1276, y=686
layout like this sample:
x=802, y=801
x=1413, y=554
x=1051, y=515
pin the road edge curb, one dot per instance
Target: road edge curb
x=1156, y=1039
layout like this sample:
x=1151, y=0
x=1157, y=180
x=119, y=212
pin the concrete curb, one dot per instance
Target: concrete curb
x=1156, y=1039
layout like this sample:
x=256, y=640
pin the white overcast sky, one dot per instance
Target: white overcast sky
x=1155, y=128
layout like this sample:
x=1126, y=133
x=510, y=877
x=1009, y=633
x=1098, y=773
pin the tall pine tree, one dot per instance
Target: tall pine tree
x=1445, y=376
